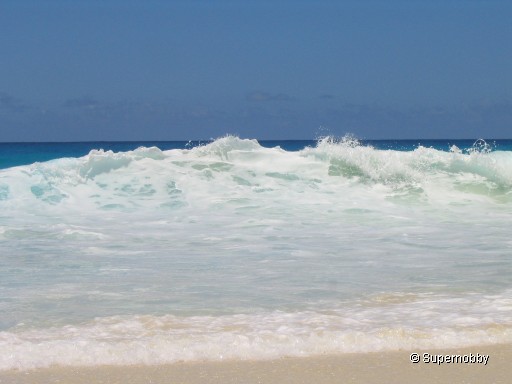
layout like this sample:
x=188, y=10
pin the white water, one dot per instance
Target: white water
x=233, y=250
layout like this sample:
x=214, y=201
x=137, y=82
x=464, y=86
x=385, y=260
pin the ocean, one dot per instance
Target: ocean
x=157, y=252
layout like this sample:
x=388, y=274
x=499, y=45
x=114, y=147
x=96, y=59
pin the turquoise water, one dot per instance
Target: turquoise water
x=235, y=249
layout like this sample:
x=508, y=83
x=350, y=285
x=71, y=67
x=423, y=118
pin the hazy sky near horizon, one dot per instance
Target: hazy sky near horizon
x=180, y=70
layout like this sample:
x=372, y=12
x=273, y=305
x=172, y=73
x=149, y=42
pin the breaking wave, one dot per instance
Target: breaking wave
x=231, y=167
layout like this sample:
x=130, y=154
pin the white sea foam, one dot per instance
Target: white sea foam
x=231, y=167
x=384, y=323
x=232, y=250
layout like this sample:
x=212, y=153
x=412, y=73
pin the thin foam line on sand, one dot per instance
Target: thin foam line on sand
x=379, y=367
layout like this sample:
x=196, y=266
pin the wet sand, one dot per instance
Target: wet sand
x=381, y=367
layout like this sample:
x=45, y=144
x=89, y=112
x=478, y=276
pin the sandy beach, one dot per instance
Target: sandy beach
x=385, y=367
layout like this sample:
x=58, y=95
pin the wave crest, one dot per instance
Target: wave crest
x=234, y=169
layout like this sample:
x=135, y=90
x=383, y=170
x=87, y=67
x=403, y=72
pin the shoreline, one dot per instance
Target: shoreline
x=374, y=367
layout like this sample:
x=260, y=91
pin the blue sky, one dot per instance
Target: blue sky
x=180, y=70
